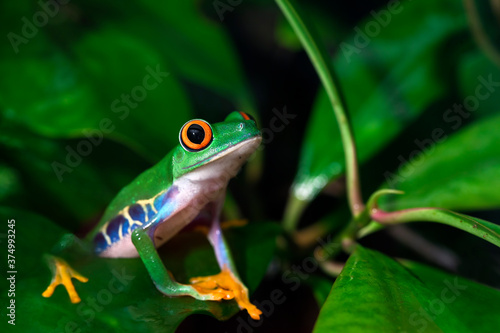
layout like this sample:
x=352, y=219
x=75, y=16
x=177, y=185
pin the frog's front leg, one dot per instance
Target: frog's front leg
x=228, y=277
x=162, y=279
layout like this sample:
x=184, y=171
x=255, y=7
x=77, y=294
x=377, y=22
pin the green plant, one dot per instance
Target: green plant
x=400, y=297
x=98, y=93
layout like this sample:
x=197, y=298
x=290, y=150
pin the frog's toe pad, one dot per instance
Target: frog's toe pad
x=227, y=282
x=62, y=274
x=208, y=292
x=208, y=287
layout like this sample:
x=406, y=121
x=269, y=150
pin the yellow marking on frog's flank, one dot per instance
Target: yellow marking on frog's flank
x=62, y=274
x=150, y=201
x=105, y=233
x=120, y=231
x=124, y=212
x=145, y=210
x=130, y=221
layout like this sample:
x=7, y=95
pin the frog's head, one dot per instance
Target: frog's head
x=220, y=149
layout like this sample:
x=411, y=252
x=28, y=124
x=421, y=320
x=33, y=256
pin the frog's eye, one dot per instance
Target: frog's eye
x=195, y=135
x=246, y=116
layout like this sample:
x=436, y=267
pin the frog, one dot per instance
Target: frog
x=188, y=186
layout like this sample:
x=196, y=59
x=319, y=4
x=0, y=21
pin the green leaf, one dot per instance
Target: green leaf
x=374, y=291
x=475, y=304
x=387, y=84
x=460, y=173
x=197, y=48
x=159, y=105
x=79, y=69
x=120, y=293
x=47, y=183
x=110, y=84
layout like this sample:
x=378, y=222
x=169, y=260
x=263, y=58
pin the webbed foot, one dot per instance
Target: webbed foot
x=227, y=281
x=62, y=274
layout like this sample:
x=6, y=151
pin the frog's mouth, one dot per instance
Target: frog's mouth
x=245, y=148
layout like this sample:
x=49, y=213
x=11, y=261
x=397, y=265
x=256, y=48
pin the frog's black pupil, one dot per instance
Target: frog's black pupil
x=196, y=134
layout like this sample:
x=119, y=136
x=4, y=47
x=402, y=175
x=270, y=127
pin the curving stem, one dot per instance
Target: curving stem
x=326, y=74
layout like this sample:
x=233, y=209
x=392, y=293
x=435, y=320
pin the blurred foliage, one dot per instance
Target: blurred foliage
x=374, y=76
x=98, y=92
x=441, y=176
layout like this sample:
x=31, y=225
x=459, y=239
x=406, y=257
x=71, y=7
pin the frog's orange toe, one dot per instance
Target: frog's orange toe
x=227, y=282
x=253, y=311
x=208, y=286
x=214, y=294
x=62, y=274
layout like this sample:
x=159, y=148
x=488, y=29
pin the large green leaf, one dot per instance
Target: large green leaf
x=70, y=193
x=78, y=71
x=476, y=305
x=388, y=80
x=119, y=293
x=153, y=119
x=374, y=292
x=64, y=93
x=460, y=173
x=197, y=48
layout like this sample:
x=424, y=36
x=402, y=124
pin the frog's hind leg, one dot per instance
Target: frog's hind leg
x=228, y=277
x=163, y=280
x=62, y=274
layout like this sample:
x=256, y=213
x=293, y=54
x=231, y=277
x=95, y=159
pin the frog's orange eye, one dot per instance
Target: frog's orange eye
x=246, y=116
x=195, y=135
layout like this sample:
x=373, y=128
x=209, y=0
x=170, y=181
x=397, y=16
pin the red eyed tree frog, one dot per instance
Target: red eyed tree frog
x=186, y=186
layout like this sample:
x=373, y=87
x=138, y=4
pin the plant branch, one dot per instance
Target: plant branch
x=326, y=74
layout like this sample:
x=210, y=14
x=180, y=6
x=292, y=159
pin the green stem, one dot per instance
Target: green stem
x=294, y=209
x=346, y=239
x=326, y=75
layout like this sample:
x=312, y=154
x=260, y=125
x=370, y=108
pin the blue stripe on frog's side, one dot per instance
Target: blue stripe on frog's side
x=143, y=212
